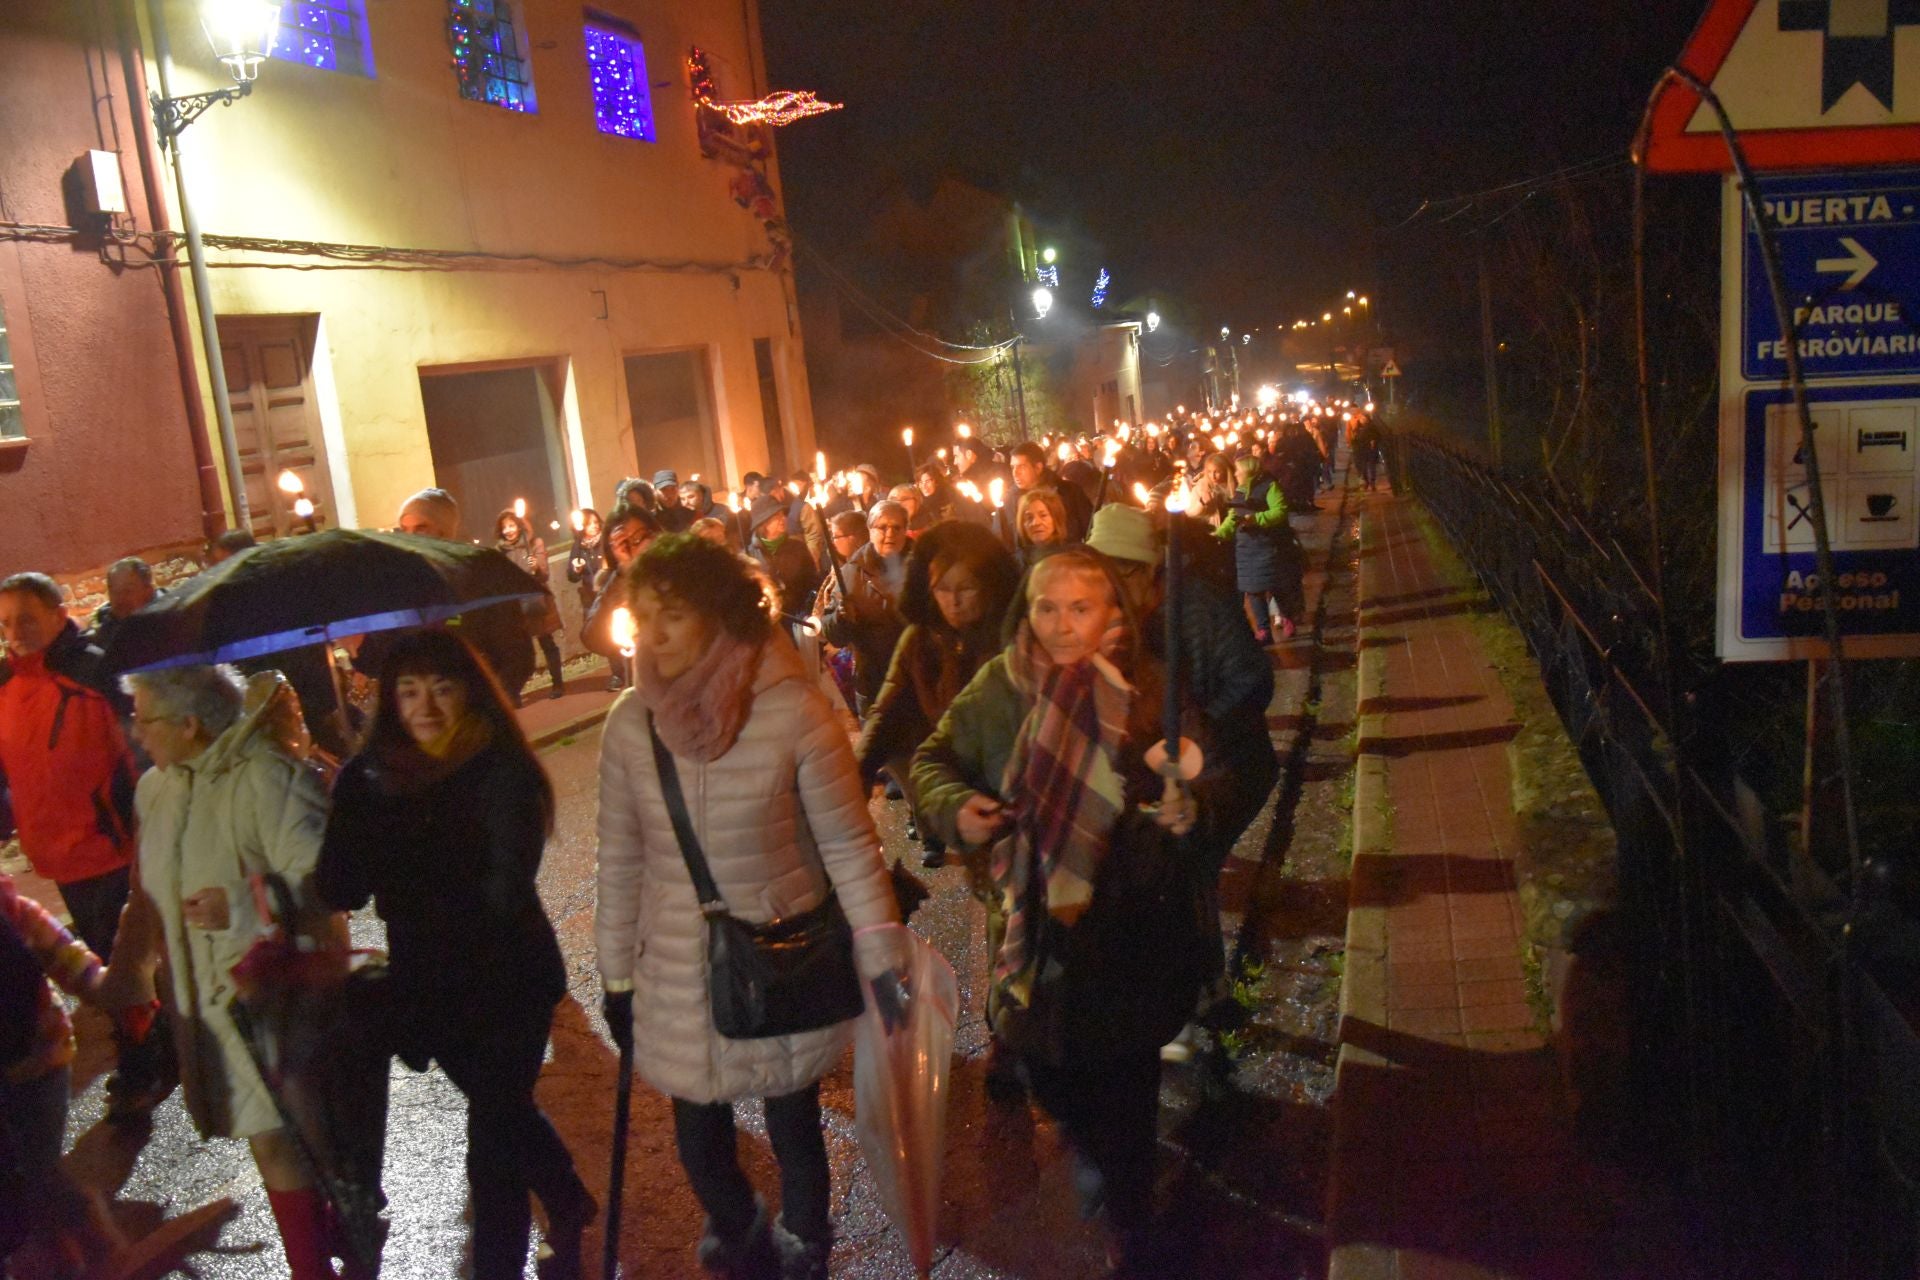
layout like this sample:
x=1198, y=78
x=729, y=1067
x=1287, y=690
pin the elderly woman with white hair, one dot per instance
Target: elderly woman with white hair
x=223, y=803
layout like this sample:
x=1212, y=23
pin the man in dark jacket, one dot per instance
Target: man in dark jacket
x=784, y=557
x=129, y=590
x=865, y=615
x=674, y=515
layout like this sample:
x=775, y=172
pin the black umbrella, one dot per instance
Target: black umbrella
x=313, y=589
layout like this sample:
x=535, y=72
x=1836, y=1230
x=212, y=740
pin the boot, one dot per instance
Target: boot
x=302, y=1218
x=751, y=1255
x=560, y=1249
x=800, y=1258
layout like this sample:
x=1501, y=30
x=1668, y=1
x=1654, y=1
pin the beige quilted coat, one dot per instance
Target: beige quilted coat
x=783, y=801
x=239, y=808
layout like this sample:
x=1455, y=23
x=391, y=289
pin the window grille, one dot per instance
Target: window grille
x=12, y=427
x=489, y=59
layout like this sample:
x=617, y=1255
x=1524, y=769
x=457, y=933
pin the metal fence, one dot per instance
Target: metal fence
x=1768, y=1055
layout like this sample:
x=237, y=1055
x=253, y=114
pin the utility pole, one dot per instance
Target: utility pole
x=1020, y=389
x=1489, y=354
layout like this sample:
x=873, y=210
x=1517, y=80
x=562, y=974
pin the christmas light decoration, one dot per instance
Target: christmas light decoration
x=617, y=69
x=1048, y=276
x=487, y=60
x=775, y=109
x=1101, y=283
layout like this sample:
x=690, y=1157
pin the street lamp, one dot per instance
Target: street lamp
x=241, y=34
x=1153, y=321
x=1042, y=301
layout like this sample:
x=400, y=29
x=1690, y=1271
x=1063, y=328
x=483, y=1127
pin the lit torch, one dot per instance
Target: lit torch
x=623, y=630
x=519, y=508
x=579, y=520
x=291, y=485
x=997, y=491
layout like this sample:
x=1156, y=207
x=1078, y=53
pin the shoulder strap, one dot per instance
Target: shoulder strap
x=682, y=824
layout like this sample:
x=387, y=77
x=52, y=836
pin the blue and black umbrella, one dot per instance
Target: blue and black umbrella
x=314, y=589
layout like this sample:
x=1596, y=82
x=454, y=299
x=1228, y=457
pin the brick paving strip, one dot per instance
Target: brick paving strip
x=1452, y=1150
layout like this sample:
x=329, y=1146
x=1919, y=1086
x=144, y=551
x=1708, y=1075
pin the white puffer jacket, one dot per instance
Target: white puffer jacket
x=238, y=809
x=784, y=801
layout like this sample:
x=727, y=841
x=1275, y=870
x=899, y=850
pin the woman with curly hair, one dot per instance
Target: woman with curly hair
x=724, y=725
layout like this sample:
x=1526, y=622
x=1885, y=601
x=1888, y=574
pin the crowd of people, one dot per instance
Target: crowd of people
x=999, y=627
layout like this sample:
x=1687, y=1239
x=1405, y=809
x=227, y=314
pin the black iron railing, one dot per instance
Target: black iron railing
x=1767, y=1052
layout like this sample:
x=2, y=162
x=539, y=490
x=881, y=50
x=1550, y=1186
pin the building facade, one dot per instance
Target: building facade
x=494, y=245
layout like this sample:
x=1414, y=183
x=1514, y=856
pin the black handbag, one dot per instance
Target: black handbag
x=773, y=979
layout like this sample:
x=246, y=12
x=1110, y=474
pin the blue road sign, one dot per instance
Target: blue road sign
x=1868, y=442
x=1850, y=256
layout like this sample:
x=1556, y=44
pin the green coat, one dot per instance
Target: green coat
x=968, y=749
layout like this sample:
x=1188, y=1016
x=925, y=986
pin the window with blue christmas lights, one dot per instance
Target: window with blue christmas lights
x=329, y=34
x=617, y=67
x=489, y=59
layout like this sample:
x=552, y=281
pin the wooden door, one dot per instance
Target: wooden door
x=276, y=423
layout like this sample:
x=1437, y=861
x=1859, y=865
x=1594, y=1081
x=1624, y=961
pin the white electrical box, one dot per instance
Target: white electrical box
x=100, y=186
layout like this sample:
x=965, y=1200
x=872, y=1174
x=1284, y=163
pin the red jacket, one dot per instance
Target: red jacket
x=66, y=763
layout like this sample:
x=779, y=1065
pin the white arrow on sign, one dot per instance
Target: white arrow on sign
x=1858, y=267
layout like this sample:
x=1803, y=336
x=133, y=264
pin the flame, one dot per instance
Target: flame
x=1064, y=452
x=1177, y=495
x=1113, y=454
x=1142, y=494
x=906, y=436
x=579, y=519
x=520, y=508
x=941, y=453
x=1153, y=431
x=1125, y=431
x=622, y=630
x=997, y=490
x=963, y=432
x=971, y=489
x=303, y=508
x=820, y=465
x=733, y=500
x=291, y=484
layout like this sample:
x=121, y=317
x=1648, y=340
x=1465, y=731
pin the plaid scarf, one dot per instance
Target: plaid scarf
x=1063, y=790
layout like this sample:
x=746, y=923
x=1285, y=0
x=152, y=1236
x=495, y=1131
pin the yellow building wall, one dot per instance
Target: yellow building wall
x=401, y=160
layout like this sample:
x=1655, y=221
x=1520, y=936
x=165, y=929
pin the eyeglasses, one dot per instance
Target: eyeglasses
x=886, y=528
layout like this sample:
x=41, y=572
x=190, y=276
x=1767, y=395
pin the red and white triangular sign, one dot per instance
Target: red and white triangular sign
x=1808, y=84
x=1392, y=370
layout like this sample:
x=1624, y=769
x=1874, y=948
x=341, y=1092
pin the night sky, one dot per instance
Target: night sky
x=1242, y=156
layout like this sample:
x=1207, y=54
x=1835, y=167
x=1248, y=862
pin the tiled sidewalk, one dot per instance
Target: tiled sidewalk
x=1452, y=1148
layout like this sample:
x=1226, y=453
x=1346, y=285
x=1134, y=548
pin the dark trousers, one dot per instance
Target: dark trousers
x=708, y=1152
x=550, y=649
x=512, y=1148
x=1108, y=1109
x=95, y=906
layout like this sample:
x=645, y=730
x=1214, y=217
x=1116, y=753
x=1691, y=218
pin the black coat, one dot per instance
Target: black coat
x=450, y=867
x=866, y=619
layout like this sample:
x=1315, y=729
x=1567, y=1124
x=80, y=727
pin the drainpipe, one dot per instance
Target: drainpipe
x=202, y=291
x=213, y=508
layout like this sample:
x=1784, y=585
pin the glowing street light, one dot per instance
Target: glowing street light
x=1042, y=301
x=1153, y=321
x=1327, y=318
x=1048, y=254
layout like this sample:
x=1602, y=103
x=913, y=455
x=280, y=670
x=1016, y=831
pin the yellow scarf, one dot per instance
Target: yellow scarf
x=459, y=741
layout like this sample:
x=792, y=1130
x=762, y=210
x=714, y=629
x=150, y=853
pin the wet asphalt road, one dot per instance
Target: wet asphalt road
x=1242, y=1154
